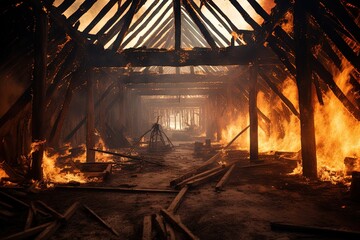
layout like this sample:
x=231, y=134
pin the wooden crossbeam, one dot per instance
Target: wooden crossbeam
x=238, y=55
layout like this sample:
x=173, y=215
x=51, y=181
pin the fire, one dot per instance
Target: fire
x=55, y=174
x=337, y=132
x=3, y=174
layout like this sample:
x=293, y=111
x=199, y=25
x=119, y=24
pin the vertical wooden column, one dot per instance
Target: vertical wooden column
x=254, y=148
x=121, y=89
x=303, y=79
x=38, y=87
x=177, y=17
x=90, y=117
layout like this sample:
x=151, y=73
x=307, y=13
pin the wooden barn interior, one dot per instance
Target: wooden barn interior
x=180, y=119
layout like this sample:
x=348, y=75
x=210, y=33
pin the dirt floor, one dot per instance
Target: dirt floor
x=251, y=200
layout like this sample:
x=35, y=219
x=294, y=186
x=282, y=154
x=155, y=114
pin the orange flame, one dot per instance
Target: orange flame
x=3, y=174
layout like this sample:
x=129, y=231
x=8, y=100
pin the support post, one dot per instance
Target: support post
x=177, y=17
x=90, y=120
x=254, y=148
x=38, y=86
x=303, y=80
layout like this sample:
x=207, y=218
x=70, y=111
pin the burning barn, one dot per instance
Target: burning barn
x=180, y=119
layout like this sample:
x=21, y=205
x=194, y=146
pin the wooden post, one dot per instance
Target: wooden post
x=254, y=149
x=90, y=122
x=303, y=79
x=177, y=17
x=38, y=86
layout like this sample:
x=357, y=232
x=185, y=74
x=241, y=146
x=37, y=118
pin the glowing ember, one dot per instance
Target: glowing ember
x=3, y=173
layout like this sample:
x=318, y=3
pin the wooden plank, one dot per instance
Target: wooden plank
x=52, y=228
x=160, y=226
x=147, y=228
x=26, y=234
x=84, y=7
x=331, y=232
x=178, y=225
x=51, y=210
x=29, y=219
x=205, y=179
x=101, y=220
x=65, y=5
x=178, y=199
x=200, y=175
x=223, y=180
x=117, y=189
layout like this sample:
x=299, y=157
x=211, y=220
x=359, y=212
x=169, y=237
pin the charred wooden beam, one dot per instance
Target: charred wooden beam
x=177, y=224
x=199, y=24
x=177, y=18
x=27, y=233
x=84, y=7
x=253, y=116
x=90, y=116
x=143, y=23
x=156, y=23
x=57, y=61
x=258, y=9
x=147, y=228
x=178, y=199
x=304, y=80
x=116, y=189
x=219, y=186
x=238, y=55
x=211, y=26
x=100, y=15
x=101, y=220
x=127, y=21
x=65, y=5
x=38, y=87
x=325, y=23
x=231, y=29
x=133, y=79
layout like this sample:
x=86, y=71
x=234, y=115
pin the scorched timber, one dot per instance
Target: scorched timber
x=142, y=57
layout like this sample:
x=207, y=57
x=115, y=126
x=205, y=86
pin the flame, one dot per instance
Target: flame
x=55, y=174
x=3, y=174
x=337, y=132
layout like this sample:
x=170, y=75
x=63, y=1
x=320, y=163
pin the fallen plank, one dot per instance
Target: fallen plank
x=206, y=164
x=200, y=175
x=224, y=179
x=344, y=234
x=170, y=233
x=101, y=220
x=177, y=200
x=206, y=178
x=126, y=156
x=116, y=189
x=5, y=205
x=20, y=203
x=160, y=227
x=29, y=219
x=51, y=210
x=51, y=229
x=178, y=225
x=27, y=233
x=147, y=228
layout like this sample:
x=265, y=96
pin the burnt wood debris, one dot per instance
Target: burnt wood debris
x=97, y=73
